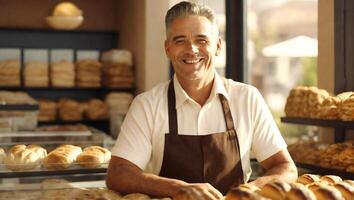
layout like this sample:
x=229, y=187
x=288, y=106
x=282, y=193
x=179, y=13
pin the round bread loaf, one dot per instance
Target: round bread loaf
x=2, y=154
x=22, y=157
x=93, y=157
x=62, y=157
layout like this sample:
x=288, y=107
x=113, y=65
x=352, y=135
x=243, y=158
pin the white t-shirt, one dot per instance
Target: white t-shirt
x=141, y=139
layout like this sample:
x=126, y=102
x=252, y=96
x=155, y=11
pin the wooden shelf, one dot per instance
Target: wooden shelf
x=326, y=171
x=19, y=174
x=319, y=122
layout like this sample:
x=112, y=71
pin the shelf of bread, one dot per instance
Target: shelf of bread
x=39, y=160
x=307, y=186
x=335, y=158
x=323, y=170
x=314, y=103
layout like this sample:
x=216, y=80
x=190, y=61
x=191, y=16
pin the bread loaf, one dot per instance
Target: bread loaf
x=328, y=193
x=62, y=157
x=275, y=190
x=22, y=157
x=93, y=156
x=241, y=193
x=136, y=196
x=2, y=154
x=331, y=179
x=346, y=190
x=307, y=179
x=299, y=192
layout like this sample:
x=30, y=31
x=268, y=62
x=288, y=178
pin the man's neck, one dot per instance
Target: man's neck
x=199, y=89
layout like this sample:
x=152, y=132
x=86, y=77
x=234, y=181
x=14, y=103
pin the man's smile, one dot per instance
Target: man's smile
x=192, y=61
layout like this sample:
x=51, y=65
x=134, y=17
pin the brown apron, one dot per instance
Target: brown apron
x=213, y=158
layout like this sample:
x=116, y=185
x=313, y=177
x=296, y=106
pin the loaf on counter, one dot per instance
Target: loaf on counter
x=93, y=156
x=62, y=157
x=22, y=157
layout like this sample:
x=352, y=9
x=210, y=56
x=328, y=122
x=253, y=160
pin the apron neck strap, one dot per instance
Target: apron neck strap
x=172, y=112
x=227, y=113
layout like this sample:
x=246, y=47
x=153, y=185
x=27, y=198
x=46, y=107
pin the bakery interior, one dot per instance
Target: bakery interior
x=70, y=69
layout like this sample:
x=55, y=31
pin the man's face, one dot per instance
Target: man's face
x=191, y=45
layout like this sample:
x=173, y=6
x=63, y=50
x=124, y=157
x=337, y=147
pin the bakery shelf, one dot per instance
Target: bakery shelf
x=19, y=174
x=19, y=107
x=319, y=122
x=44, y=89
x=326, y=171
x=73, y=122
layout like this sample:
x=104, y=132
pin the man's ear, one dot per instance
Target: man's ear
x=218, y=47
x=167, y=48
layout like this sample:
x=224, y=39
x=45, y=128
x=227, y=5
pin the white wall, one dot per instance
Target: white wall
x=157, y=64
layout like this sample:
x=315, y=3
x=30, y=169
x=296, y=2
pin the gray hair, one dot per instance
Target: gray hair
x=186, y=8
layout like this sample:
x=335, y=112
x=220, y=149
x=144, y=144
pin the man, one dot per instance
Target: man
x=194, y=134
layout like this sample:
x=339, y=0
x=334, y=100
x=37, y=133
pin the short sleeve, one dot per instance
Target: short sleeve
x=134, y=140
x=267, y=139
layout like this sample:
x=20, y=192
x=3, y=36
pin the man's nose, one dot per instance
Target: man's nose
x=192, y=48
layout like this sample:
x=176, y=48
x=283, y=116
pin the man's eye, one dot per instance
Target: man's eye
x=179, y=41
x=202, y=41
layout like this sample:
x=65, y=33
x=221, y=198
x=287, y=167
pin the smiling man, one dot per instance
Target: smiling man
x=192, y=136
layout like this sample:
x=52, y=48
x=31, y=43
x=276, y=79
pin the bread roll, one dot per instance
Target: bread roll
x=62, y=157
x=276, y=190
x=22, y=157
x=250, y=187
x=307, y=179
x=136, y=196
x=315, y=185
x=241, y=193
x=331, y=179
x=2, y=154
x=93, y=157
x=328, y=193
x=300, y=192
x=351, y=182
x=346, y=190
x=50, y=184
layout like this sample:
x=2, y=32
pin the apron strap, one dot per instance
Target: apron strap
x=227, y=113
x=172, y=112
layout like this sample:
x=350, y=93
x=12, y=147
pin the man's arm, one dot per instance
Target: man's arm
x=279, y=166
x=125, y=177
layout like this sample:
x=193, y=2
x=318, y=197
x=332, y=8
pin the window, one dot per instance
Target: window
x=281, y=52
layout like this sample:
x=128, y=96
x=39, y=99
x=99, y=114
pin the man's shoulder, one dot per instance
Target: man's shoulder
x=155, y=93
x=235, y=86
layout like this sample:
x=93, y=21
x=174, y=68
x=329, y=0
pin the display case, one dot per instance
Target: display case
x=50, y=140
